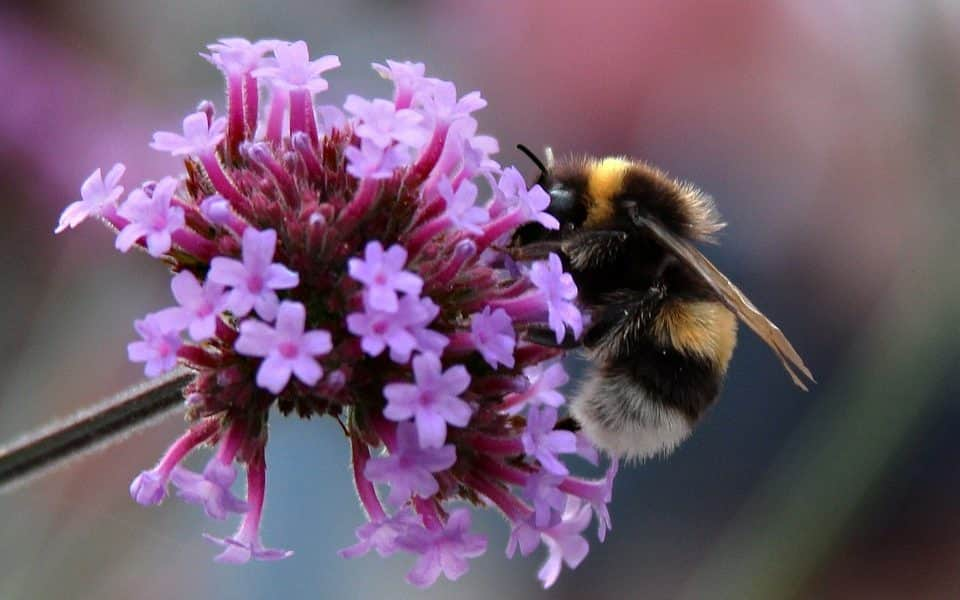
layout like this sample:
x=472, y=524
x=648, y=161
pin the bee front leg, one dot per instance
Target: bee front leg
x=534, y=251
x=544, y=336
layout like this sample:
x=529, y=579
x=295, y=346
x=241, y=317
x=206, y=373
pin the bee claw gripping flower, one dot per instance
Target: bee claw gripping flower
x=301, y=251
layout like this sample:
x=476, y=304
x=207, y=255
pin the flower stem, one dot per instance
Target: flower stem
x=110, y=420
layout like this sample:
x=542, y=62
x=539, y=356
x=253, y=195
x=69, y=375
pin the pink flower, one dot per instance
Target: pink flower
x=245, y=543
x=403, y=331
x=564, y=542
x=237, y=55
x=433, y=400
x=542, y=442
x=161, y=340
x=443, y=550
x=370, y=161
x=462, y=209
x=380, y=122
x=254, y=280
x=383, y=274
x=153, y=217
x=200, y=136
x=493, y=336
x=293, y=69
x=560, y=291
x=409, y=467
x=381, y=535
x=287, y=349
x=96, y=193
x=200, y=304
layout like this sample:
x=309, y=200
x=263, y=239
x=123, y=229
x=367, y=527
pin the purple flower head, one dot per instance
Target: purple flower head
x=383, y=275
x=433, y=400
x=407, y=79
x=287, y=349
x=161, y=340
x=371, y=161
x=493, y=336
x=543, y=443
x=212, y=493
x=153, y=217
x=200, y=304
x=382, y=124
x=237, y=55
x=200, y=136
x=564, y=542
x=254, y=280
x=443, y=551
x=462, y=209
x=96, y=194
x=409, y=468
x=317, y=258
x=541, y=490
x=292, y=68
x=559, y=290
x=381, y=534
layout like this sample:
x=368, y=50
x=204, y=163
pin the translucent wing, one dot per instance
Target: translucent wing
x=730, y=296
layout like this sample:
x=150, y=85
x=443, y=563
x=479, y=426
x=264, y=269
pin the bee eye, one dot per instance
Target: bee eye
x=568, y=226
x=562, y=201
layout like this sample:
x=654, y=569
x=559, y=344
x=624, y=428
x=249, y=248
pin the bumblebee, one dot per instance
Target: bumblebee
x=663, y=318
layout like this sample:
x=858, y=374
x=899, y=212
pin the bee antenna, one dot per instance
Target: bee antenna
x=536, y=159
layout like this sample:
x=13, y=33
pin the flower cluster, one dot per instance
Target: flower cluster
x=343, y=263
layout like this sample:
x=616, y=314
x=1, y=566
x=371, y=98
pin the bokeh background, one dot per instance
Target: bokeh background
x=828, y=132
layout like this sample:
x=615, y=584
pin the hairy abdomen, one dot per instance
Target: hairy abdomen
x=657, y=372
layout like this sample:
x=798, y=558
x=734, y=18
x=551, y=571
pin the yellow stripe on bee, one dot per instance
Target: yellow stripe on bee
x=706, y=329
x=603, y=183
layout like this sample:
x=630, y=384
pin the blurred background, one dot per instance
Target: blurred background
x=828, y=133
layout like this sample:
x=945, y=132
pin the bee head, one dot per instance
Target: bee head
x=568, y=202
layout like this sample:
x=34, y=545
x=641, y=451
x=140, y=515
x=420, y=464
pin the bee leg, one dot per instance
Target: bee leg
x=586, y=250
x=544, y=336
x=534, y=251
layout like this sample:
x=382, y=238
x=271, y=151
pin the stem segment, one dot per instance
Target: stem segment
x=111, y=419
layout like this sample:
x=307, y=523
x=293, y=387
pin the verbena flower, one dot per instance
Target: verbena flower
x=351, y=268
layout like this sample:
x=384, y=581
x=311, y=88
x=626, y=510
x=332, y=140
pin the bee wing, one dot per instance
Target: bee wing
x=731, y=296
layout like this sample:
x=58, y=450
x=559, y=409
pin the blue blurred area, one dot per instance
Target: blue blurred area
x=828, y=133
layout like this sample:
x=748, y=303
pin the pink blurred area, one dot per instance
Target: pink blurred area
x=825, y=130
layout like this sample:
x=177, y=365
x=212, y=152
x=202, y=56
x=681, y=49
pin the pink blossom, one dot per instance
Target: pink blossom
x=199, y=304
x=96, y=194
x=433, y=400
x=200, y=136
x=153, y=217
x=254, y=279
x=161, y=340
x=559, y=291
x=237, y=55
x=493, y=336
x=287, y=348
x=383, y=274
x=443, y=550
x=542, y=442
x=292, y=68
x=380, y=122
x=409, y=467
